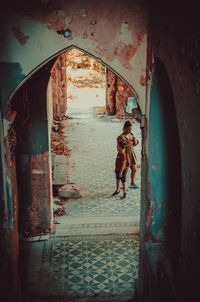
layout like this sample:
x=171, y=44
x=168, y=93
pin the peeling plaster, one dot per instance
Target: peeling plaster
x=19, y=35
x=83, y=13
x=60, y=13
x=120, y=47
x=143, y=80
x=126, y=35
x=69, y=19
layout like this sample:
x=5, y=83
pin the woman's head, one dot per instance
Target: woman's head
x=121, y=146
x=127, y=127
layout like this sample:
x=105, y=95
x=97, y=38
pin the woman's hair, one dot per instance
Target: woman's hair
x=122, y=145
x=127, y=124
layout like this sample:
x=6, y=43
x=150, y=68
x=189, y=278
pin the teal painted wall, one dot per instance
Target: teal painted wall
x=10, y=75
x=8, y=200
x=164, y=158
x=161, y=207
x=31, y=126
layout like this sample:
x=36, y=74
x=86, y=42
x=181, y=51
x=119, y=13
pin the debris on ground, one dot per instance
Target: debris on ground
x=69, y=191
x=58, y=146
x=58, y=207
x=60, y=212
x=60, y=149
x=59, y=202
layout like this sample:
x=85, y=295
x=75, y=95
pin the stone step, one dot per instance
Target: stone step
x=59, y=170
x=69, y=191
x=72, y=226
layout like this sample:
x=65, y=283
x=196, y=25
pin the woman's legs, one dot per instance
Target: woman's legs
x=133, y=173
x=117, y=185
x=124, y=187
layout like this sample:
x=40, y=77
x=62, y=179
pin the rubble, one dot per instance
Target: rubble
x=58, y=207
x=69, y=191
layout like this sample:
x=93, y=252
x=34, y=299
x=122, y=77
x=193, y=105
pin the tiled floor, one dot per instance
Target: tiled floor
x=92, y=142
x=84, y=266
x=103, y=261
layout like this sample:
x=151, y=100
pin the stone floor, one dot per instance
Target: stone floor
x=81, y=266
x=90, y=168
x=93, y=253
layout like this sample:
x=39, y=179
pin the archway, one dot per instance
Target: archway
x=30, y=105
x=46, y=36
x=121, y=101
x=24, y=113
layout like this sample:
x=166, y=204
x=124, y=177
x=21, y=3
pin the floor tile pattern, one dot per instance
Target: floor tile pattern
x=89, y=265
x=92, y=142
x=109, y=206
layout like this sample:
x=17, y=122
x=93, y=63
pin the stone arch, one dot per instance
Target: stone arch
x=37, y=159
x=55, y=57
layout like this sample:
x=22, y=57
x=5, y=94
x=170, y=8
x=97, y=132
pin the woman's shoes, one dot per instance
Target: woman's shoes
x=124, y=195
x=115, y=193
x=134, y=186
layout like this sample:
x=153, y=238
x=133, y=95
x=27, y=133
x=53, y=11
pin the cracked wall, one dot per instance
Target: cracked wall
x=112, y=31
x=174, y=43
x=33, y=33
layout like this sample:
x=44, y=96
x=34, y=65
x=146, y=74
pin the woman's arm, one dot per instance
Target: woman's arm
x=135, y=141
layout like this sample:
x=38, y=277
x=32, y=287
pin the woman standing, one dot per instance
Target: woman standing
x=130, y=141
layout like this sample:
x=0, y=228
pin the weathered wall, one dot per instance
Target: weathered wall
x=161, y=210
x=31, y=33
x=9, y=247
x=175, y=42
x=122, y=94
x=59, y=88
x=117, y=93
x=110, y=92
x=174, y=39
x=113, y=31
x=33, y=155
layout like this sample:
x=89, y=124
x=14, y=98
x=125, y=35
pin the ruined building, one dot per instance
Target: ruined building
x=154, y=48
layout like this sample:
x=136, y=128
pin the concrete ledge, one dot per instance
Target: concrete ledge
x=69, y=191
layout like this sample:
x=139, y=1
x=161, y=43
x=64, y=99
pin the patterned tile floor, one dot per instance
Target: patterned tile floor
x=93, y=264
x=92, y=142
x=84, y=266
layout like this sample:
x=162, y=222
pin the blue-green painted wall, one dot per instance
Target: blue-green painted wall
x=10, y=75
x=31, y=126
x=160, y=236
x=164, y=157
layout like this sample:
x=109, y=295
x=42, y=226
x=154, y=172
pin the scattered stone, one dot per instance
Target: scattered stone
x=56, y=209
x=56, y=200
x=60, y=212
x=60, y=149
x=55, y=128
x=59, y=202
x=69, y=191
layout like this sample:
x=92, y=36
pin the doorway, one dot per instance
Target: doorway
x=96, y=234
x=94, y=249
